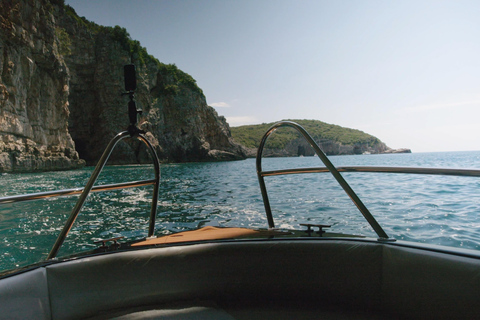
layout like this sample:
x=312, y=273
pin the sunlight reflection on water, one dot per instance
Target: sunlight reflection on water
x=430, y=209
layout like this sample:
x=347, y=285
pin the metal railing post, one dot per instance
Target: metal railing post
x=93, y=178
x=346, y=187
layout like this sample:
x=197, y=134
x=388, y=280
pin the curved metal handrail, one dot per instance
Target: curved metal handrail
x=378, y=169
x=93, y=178
x=331, y=168
x=73, y=191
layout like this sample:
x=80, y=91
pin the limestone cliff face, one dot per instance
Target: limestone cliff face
x=61, y=79
x=180, y=124
x=33, y=91
x=299, y=147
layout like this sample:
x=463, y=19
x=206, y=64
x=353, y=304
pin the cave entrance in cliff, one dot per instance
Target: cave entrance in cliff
x=301, y=151
x=81, y=148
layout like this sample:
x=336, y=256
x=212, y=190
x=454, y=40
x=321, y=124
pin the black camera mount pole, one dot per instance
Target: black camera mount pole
x=134, y=132
x=130, y=87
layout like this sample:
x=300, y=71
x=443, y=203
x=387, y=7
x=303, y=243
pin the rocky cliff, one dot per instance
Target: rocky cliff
x=299, y=147
x=34, y=89
x=60, y=95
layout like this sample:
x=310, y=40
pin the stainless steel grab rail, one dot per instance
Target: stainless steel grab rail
x=331, y=168
x=410, y=170
x=93, y=178
x=73, y=191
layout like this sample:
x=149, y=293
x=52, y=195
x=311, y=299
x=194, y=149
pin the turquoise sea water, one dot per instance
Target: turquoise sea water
x=430, y=209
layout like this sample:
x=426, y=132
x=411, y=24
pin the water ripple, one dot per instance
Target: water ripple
x=427, y=209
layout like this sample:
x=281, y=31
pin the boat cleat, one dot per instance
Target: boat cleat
x=320, y=227
x=104, y=242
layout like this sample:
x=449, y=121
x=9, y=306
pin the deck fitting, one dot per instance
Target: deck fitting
x=319, y=226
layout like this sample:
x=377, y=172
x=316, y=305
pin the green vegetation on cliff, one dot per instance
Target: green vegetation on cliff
x=250, y=135
x=139, y=54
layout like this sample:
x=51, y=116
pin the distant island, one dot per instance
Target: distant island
x=332, y=139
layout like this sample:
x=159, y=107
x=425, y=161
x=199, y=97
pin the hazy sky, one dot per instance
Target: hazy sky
x=407, y=72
